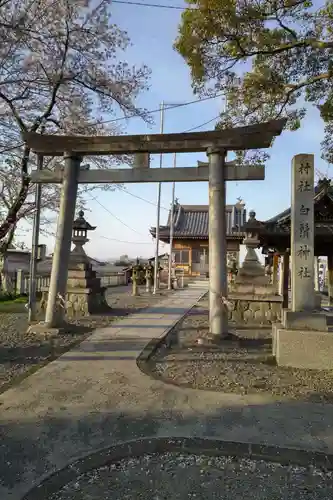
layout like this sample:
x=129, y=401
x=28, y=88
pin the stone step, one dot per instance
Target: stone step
x=204, y=284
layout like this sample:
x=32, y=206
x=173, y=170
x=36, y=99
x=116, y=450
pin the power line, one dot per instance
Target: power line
x=129, y=242
x=141, y=4
x=152, y=111
x=140, y=198
x=135, y=196
x=157, y=110
x=152, y=202
x=52, y=234
x=203, y=124
x=115, y=216
x=45, y=231
x=178, y=7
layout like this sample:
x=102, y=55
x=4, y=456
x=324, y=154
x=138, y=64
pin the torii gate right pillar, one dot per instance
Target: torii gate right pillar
x=218, y=284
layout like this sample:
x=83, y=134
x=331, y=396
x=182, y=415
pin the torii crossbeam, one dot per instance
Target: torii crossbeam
x=215, y=143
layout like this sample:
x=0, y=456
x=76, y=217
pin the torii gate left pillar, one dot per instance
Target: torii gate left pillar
x=54, y=315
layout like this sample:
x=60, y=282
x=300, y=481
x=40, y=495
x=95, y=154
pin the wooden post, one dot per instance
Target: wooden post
x=280, y=289
x=316, y=273
x=19, y=282
x=275, y=270
x=285, y=279
x=330, y=279
x=190, y=260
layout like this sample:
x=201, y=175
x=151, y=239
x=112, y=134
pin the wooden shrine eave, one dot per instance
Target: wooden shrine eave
x=239, y=138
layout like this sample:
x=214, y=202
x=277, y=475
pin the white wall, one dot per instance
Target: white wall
x=242, y=253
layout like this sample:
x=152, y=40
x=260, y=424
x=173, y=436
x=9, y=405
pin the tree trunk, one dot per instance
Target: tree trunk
x=9, y=224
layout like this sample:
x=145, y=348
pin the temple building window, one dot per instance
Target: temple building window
x=182, y=256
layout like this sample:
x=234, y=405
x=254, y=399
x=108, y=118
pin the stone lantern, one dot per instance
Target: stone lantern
x=84, y=292
x=79, y=238
x=252, y=272
x=253, y=299
x=149, y=274
x=84, y=295
x=136, y=268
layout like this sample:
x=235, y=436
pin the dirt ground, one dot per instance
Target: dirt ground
x=242, y=365
x=180, y=477
x=22, y=354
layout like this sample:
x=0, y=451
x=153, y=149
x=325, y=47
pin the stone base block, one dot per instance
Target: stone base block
x=43, y=331
x=307, y=349
x=81, y=302
x=304, y=320
x=252, y=288
x=317, y=300
x=275, y=327
x=254, y=309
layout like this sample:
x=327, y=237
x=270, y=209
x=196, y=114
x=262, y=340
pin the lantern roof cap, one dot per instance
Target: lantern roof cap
x=81, y=223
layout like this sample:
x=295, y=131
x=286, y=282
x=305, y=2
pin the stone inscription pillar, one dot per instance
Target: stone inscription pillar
x=302, y=233
x=218, y=281
x=55, y=314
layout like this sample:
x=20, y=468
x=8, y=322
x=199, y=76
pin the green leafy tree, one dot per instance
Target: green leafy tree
x=61, y=71
x=271, y=58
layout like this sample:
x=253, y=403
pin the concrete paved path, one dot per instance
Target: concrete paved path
x=95, y=396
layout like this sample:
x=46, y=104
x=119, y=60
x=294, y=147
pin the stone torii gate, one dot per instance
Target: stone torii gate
x=215, y=143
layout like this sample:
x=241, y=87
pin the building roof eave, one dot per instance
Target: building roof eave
x=285, y=215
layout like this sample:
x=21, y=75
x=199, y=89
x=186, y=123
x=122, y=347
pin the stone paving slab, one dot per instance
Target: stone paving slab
x=95, y=396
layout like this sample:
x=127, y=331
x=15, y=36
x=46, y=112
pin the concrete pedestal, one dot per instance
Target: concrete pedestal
x=308, y=349
x=135, y=289
x=149, y=285
x=303, y=340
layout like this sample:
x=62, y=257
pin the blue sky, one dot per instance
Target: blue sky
x=152, y=32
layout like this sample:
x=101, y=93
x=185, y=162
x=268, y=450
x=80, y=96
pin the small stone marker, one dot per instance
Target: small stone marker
x=302, y=233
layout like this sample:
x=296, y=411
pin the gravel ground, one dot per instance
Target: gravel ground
x=21, y=353
x=242, y=365
x=176, y=476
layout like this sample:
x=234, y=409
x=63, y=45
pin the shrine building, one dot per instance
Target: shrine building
x=190, y=239
x=274, y=235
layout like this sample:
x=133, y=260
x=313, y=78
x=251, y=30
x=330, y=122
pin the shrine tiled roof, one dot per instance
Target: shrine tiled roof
x=192, y=221
x=322, y=189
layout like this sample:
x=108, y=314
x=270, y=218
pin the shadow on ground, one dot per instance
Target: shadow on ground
x=32, y=448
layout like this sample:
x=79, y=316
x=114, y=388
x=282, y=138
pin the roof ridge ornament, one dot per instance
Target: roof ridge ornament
x=323, y=185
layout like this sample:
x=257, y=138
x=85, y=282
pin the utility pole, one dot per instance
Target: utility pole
x=162, y=109
x=156, y=268
x=172, y=225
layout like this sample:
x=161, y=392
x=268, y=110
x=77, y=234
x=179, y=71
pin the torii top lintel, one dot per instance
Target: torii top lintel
x=239, y=138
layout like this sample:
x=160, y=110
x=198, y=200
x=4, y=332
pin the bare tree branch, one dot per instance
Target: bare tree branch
x=61, y=66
